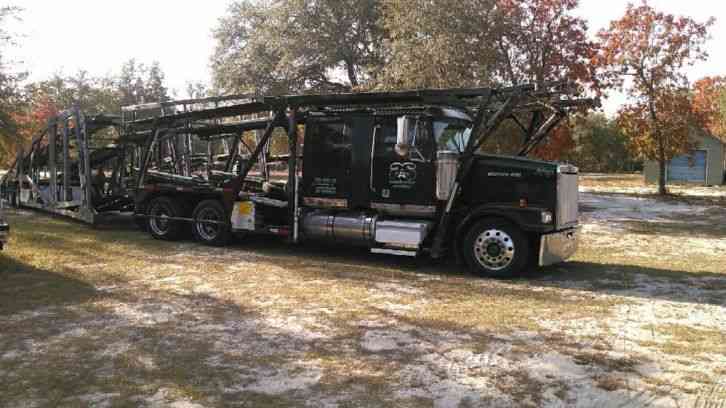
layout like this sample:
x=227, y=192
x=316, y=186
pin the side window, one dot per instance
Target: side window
x=386, y=132
x=279, y=149
x=451, y=135
x=333, y=141
x=328, y=154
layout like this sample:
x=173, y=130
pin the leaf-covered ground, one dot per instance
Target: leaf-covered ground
x=110, y=317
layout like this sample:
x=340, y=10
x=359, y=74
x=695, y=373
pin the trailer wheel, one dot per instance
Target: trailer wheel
x=211, y=225
x=159, y=225
x=495, y=248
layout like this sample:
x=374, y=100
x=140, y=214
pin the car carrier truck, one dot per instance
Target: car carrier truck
x=400, y=173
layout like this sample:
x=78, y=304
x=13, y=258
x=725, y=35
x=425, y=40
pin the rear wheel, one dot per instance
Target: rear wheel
x=140, y=219
x=211, y=225
x=160, y=222
x=495, y=248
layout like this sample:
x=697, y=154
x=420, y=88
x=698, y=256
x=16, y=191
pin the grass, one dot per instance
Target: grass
x=633, y=184
x=87, y=311
x=688, y=341
x=58, y=266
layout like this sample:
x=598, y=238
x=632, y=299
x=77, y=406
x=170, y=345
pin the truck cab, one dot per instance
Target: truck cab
x=384, y=179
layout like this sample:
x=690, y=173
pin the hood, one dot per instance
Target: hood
x=540, y=167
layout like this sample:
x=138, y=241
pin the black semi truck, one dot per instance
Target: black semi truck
x=400, y=173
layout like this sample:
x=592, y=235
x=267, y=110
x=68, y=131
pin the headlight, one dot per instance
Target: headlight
x=547, y=217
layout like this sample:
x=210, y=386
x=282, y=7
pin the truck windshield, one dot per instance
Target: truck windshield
x=452, y=135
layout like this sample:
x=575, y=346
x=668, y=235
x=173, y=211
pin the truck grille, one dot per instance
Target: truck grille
x=567, y=197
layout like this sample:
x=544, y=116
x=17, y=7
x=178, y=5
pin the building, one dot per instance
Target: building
x=705, y=164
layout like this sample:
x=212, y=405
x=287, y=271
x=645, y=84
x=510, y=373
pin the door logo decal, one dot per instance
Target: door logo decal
x=402, y=175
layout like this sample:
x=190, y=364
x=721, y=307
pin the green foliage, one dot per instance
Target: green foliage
x=333, y=45
x=138, y=84
x=443, y=43
x=278, y=47
x=197, y=90
x=542, y=40
x=652, y=49
x=602, y=147
x=135, y=84
x=10, y=79
x=93, y=95
x=275, y=47
x=34, y=103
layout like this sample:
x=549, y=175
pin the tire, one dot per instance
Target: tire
x=141, y=222
x=160, y=228
x=140, y=219
x=495, y=248
x=213, y=234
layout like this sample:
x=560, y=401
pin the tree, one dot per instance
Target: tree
x=675, y=117
x=197, y=90
x=447, y=43
x=439, y=44
x=601, y=146
x=139, y=84
x=483, y=42
x=297, y=45
x=92, y=95
x=652, y=49
x=10, y=95
x=542, y=40
x=155, y=90
x=29, y=122
x=709, y=98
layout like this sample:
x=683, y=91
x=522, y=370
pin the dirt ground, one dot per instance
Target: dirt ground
x=108, y=317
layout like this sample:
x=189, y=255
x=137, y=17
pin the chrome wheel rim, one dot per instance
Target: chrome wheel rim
x=494, y=249
x=159, y=221
x=208, y=231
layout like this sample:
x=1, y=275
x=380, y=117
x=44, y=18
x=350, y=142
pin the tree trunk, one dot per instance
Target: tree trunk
x=661, y=144
x=662, y=162
x=352, y=77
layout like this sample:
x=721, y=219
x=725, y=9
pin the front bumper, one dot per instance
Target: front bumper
x=558, y=247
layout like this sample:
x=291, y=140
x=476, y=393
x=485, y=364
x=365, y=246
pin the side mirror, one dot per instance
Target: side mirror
x=405, y=135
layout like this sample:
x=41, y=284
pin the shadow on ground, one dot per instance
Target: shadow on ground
x=358, y=264
x=24, y=288
x=127, y=346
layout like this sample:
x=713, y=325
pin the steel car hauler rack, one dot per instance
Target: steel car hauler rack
x=75, y=167
x=400, y=173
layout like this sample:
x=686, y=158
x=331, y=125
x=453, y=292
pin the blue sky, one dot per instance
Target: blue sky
x=97, y=36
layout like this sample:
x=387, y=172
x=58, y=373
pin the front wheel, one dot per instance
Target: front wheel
x=495, y=248
x=211, y=225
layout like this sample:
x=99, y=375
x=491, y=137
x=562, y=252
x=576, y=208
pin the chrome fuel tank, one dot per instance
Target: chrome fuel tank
x=350, y=228
x=362, y=229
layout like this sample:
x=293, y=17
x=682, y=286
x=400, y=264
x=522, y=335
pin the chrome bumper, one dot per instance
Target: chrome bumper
x=558, y=247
